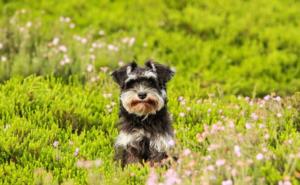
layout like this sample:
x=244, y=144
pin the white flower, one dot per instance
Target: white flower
x=101, y=32
x=279, y=115
x=3, y=58
x=89, y=68
x=72, y=25
x=83, y=40
x=1, y=46
x=181, y=114
x=92, y=57
x=112, y=48
x=120, y=63
x=131, y=41
x=29, y=24
x=55, y=41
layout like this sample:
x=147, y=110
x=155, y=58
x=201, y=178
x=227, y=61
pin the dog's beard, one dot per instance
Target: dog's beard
x=150, y=105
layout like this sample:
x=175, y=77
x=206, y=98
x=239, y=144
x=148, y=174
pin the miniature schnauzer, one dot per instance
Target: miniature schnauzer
x=145, y=131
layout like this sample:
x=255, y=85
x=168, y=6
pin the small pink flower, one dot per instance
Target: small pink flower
x=55, y=144
x=171, y=142
x=259, y=156
x=285, y=182
x=153, y=178
x=76, y=152
x=254, y=116
x=237, y=150
x=231, y=124
x=267, y=97
x=186, y=152
x=210, y=168
x=188, y=172
x=63, y=48
x=277, y=98
x=171, y=177
x=227, y=182
x=262, y=126
x=248, y=126
x=220, y=162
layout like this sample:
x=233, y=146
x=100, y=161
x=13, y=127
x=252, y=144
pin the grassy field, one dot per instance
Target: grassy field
x=234, y=99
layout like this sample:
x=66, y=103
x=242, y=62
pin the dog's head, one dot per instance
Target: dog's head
x=143, y=90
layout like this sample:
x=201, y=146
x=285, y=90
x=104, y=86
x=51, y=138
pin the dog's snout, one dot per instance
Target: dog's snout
x=142, y=95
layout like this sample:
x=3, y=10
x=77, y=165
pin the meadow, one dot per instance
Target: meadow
x=234, y=101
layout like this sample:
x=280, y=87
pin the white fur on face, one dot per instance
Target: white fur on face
x=140, y=109
x=150, y=74
x=163, y=93
x=131, y=77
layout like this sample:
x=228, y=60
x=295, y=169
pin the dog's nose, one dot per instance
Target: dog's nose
x=142, y=95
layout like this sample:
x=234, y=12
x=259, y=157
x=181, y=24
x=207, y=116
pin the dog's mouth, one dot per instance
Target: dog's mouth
x=145, y=102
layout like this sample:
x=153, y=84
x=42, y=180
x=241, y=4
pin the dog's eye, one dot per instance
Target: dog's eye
x=152, y=82
x=129, y=84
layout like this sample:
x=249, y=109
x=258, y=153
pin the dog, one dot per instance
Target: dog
x=145, y=130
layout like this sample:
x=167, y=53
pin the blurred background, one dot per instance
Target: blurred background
x=233, y=100
x=228, y=47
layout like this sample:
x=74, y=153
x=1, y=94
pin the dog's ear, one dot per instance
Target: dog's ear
x=122, y=73
x=163, y=72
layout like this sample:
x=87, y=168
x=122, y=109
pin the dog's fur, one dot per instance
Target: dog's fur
x=145, y=127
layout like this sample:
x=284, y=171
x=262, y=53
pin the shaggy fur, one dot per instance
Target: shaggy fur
x=145, y=127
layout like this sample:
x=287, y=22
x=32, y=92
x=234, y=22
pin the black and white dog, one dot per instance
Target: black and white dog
x=145, y=131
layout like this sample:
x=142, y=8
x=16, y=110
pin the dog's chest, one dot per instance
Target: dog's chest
x=158, y=142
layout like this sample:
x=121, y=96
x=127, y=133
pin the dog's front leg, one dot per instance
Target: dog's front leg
x=130, y=155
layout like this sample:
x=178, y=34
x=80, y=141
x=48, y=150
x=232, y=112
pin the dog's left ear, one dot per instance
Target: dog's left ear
x=122, y=73
x=163, y=72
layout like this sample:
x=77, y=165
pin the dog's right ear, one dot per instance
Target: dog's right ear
x=120, y=75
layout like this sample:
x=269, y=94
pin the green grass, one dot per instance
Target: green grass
x=59, y=105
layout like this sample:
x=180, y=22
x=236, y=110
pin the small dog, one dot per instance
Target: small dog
x=145, y=131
